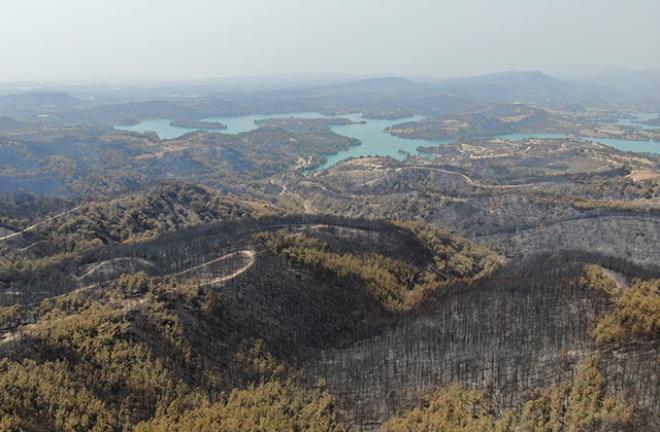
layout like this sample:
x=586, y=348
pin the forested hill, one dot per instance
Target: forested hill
x=225, y=282
x=166, y=207
x=283, y=323
x=71, y=230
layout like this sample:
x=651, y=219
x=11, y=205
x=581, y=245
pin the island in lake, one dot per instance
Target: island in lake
x=198, y=124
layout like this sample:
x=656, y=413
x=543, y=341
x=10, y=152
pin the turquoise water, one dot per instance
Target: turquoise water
x=623, y=145
x=633, y=146
x=234, y=124
x=160, y=126
x=246, y=123
x=524, y=136
x=375, y=141
x=639, y=117
x=371, y=134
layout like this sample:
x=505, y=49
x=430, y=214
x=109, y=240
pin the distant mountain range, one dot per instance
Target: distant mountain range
x=529, y=87
x=37, y=100
x=379, y=97
x=634, y=85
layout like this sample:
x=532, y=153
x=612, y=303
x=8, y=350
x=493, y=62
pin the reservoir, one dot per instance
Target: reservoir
x=234, y=124
x=638, y=120
x=375, y=142
x=623, y=145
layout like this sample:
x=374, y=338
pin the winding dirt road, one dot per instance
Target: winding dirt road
x=112, y=261
x=470, y=180
x=132, y=303
x=31, y=227
x=280, y=184
x=250, y=254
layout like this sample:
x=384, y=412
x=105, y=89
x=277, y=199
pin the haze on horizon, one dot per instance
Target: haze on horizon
x=76, y=40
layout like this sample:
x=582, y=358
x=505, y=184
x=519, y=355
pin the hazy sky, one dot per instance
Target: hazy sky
x=190, y=39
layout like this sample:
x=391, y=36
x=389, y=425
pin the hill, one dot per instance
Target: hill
x=204, y=332
x=525, y=86
x=637, y=86
x=164, y=208
x=500, y=119
x=134, y=218
x=28, y=105
x=518, y=196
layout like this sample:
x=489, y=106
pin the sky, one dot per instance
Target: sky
x=167, y=40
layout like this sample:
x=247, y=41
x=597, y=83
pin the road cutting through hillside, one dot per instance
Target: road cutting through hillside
x=251, y=259
x=131, y=304
x=112, y=261
x=469, y=180
x=33, y=226
x=250, y=254
x=280, y=184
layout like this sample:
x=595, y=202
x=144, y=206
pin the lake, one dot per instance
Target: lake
x=246, y=123
x=371, y=134
x=375, y=142
x=623, y=145
x=639, y=117
x=234, y=124
x=160, y=126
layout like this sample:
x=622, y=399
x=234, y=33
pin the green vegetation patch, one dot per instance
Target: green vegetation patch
x=577, y=404
x=395, y=284
x=455, y=257
x=269, y=406
x=389, y=280
x=636, y=312
x=594, y=277
x=636, y=315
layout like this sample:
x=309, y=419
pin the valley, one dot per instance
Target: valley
x=465, y=316
x=368, y=255
x=398, y=137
